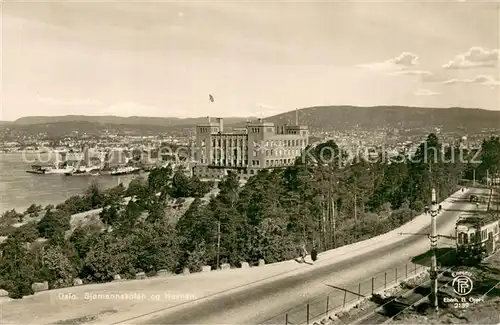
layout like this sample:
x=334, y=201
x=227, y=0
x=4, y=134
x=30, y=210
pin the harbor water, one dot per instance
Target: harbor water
x=19, y=189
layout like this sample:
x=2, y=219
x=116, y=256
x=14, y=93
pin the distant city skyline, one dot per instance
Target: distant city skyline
x=255, y=58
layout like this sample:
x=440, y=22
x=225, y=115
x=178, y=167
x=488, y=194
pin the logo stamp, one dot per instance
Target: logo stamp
x=462, y=285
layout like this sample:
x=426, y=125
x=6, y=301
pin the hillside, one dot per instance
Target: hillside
x=320, y=118
x=346, y=117
x=59, y=129
x=132, y=120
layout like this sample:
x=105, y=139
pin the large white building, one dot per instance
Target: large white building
x=248, y=149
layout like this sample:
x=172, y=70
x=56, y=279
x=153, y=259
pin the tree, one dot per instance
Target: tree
x=75, y=204
x=110, y=214
x=153, y=246
x=34, y=210
x=196, y=228
x=129, y=217
x=180, y=185
x=16, y=269
x=54, y=224
x=10, y=217
x=94, y=195
x=137, y=187
x=156, y=211
x=83, y=238
x=58, y=270
x=159, y=181
x=197, y=257
x=106, y=258
x=114, y=195
x=489, y=157
x=26, y=233
x=197, y=188
x=273, y=242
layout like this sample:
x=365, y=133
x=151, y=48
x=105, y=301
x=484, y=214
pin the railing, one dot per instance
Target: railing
x=324, y=305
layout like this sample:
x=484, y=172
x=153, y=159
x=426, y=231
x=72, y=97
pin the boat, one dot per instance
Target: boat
x=83, y=171
x=94, y=172
x=125, y=170
x=45, y=169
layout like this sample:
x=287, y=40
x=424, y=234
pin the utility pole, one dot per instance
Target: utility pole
x=433, y=238
x=331, y=214
x=355, y=216
x=490, y=198
x=474, y=177
x=498, y=204
x=218, y=244
x=323, y=227
x=333, y=225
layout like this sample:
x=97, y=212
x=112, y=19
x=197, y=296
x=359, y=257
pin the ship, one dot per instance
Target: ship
x=83, y=171
x=125, y=170
x=45, y=169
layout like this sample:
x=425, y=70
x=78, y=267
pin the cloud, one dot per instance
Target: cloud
x=482, y=80
x=68, y=102
x=402, y=61
x=475, y=57
x=425, y=92
x=411, y=73
x=406, y=59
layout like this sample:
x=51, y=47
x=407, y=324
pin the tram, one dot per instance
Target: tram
x=477, y=237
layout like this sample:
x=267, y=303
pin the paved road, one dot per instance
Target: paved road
x=261, y=304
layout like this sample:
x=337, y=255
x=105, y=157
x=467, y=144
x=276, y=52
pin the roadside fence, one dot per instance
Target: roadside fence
x=340, y=298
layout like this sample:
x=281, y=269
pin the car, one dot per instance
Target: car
x=474, y=198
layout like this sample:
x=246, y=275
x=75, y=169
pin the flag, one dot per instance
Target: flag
x=211, y=98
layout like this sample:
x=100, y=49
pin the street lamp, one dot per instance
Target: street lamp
x=433, y=238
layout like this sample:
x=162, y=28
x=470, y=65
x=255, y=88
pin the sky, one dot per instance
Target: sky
x=256, y=58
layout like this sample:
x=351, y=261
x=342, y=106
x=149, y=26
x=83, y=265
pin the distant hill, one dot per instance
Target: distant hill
x=320, y=118
x=346, y=117
x=133, y=120
x=60, y=129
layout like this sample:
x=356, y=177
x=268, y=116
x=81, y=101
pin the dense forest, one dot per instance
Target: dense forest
x=268, y=218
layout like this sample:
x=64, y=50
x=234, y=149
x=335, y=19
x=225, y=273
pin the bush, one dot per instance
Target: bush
x=54, y=224
x=58, y=269
x=18, y=287
x=26, y=233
